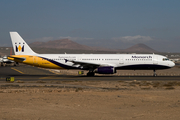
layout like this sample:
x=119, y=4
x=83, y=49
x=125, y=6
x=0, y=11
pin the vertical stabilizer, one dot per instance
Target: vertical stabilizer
x=19, y=45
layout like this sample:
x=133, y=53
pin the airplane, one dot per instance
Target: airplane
x=4, y=61
x=94, y=63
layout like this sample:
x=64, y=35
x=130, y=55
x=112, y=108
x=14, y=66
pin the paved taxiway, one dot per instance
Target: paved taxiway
x=29, y=73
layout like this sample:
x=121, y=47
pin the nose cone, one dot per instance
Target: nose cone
x=171, y=64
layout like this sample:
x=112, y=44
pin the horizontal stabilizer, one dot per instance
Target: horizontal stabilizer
x=17, y=58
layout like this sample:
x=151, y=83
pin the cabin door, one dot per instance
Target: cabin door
x=79, y=58
x=155, y=59
x=121, y=60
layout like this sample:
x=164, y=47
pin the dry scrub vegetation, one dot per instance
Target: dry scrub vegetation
x=87, y=100
x=76, y=86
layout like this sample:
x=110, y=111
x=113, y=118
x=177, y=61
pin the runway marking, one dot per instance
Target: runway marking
x=47, y=78
x=50, y=77
x=17, y=70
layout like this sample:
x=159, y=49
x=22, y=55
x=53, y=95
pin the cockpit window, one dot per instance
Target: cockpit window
x=165, y=59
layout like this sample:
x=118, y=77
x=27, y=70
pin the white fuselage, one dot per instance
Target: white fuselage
x=119, y=61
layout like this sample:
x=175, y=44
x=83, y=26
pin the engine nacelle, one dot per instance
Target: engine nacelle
x=106, y=70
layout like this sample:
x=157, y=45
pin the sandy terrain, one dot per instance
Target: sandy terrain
x=87, y=100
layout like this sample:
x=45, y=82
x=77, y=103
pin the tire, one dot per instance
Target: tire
x=90, y=74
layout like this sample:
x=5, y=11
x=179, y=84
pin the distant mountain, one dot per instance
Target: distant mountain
x=61, y=44
x=142, y=48
x=68, y=44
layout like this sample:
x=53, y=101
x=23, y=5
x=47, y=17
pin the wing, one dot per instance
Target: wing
x=84, y=65
x=87, y=65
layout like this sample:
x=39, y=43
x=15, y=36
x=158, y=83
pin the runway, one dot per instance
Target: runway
x=29, y=73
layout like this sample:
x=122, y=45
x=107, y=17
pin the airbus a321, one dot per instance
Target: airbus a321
x=94, y=63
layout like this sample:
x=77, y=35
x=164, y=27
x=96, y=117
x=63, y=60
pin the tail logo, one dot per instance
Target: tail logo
x=19, y=48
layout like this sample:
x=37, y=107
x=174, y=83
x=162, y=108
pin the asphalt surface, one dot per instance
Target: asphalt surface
x=29, y=73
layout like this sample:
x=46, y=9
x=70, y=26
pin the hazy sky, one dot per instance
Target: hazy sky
x=106, y=23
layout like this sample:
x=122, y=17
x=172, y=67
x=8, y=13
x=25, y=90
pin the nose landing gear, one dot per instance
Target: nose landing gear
x=155, y=73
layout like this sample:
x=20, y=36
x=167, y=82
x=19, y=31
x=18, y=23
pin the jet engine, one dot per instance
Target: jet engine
x=106, y=70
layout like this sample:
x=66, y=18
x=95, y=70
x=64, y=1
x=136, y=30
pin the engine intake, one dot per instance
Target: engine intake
x=106, y=70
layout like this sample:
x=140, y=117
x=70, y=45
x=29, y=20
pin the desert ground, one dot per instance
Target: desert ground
x=80, y=100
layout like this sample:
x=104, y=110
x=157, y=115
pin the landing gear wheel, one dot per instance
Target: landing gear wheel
x=155, y=73
x=90, y=74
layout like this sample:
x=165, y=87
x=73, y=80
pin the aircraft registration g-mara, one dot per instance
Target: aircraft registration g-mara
x=94, y=63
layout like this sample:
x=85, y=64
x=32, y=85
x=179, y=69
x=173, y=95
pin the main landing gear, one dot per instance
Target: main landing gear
x=155, y=73
x=90, y=73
